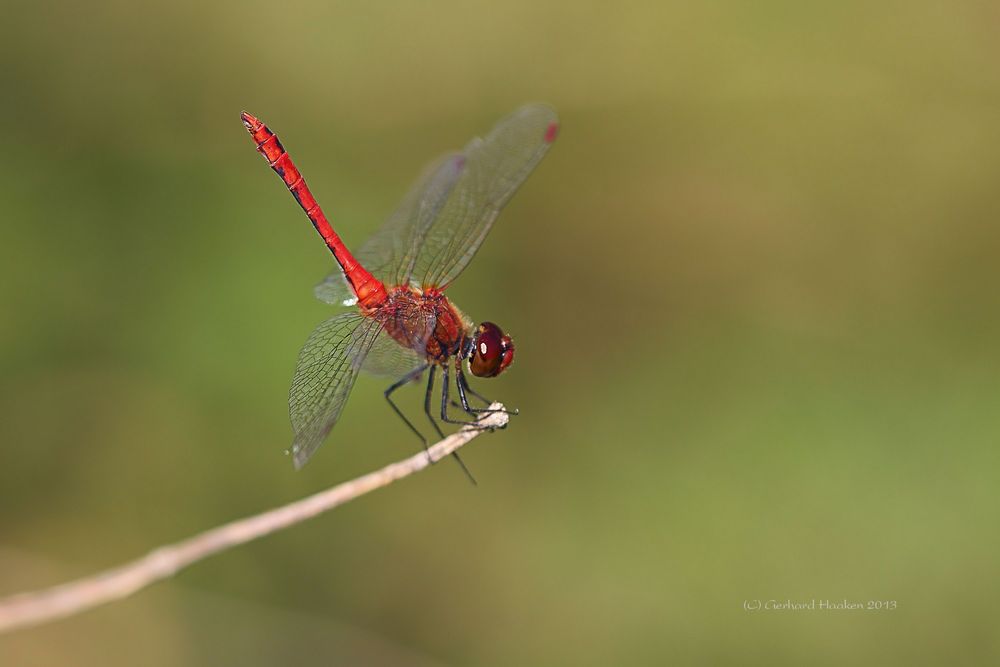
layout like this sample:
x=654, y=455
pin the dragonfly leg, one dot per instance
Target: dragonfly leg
x=430, y=416
x=427, y=401
x=463, y=387
x=464, y=384
x=444, y=405
x=409, y=377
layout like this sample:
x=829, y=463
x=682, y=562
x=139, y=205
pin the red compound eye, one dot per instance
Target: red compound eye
x=492, y=351
x=507, y=345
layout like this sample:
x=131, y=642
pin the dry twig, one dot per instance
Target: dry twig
x=36, y=607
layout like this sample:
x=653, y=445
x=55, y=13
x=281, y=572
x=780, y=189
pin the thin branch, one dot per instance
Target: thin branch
x=36, y=607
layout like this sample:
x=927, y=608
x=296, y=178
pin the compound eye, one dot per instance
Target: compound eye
x=507, y=356
x=487, y=352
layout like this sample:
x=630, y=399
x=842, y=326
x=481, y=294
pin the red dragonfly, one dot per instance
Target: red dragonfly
x=404, y=324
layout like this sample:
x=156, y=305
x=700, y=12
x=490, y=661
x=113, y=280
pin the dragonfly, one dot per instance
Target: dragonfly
x=403, y=324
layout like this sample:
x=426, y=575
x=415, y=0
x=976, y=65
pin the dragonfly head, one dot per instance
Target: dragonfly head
x=491, y=351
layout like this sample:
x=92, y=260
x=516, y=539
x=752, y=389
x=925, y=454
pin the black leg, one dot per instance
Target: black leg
x=444, y=404
x=427, y=410
x=427, y=401
x=468, y=473
x=463, y=387
x=409, y=377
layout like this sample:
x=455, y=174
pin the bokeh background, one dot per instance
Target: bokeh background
x=753, y=289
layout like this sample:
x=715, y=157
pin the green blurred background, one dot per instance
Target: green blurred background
x=753, y=289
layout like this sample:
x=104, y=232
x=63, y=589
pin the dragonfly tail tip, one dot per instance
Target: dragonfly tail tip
x=248, y=120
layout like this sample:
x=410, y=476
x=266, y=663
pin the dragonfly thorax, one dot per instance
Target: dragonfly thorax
x=426, y=322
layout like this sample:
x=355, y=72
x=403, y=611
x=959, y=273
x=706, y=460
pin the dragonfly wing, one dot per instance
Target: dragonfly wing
x=391, y=253
x=335, y=291
x=415, y=327
x=493, y=168
x=327, y=367
x=390, y=359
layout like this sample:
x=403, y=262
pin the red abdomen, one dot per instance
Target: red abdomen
x=369, y=290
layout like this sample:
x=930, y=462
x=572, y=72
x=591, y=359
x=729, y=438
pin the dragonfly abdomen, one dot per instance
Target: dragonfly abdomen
x=369, y=290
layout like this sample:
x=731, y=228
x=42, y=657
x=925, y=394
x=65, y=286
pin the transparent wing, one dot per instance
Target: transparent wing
x=494, y=167
x=395, y=355
x=391, y=252
x=388, y=358
x=327, y=367
x=446, y=216
x=334, y=290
